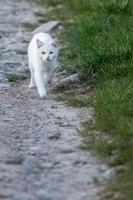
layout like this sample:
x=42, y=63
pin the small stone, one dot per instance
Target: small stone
x=54, y=136
x=44, y=195
x=66, y=151
x=6, y=193
x=4, y=85
x=109, y=173
x=23, y=197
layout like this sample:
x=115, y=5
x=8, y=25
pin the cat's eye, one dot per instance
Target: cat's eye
x=51, y=52
x=43, y=52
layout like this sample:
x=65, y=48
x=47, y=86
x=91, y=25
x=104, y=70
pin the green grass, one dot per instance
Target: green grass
x=75, y=100
x=28, y=25
x=98, y=41
x=15, y=77
x=49, y=3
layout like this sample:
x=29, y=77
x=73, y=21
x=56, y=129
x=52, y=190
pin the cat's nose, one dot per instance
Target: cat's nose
x=48, y=58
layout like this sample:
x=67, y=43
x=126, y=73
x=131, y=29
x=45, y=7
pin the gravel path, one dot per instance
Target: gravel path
x=40, y=158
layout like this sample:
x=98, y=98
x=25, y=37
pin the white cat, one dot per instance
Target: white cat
x=42, y=54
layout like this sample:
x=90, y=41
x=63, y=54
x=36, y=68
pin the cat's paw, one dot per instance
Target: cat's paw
x=31, y=86
x=42, y=94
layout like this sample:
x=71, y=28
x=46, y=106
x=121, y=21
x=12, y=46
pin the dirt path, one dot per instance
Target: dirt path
x=40, y=158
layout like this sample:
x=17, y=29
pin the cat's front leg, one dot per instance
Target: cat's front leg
x=32, y=81
x=45, y=78
x=40, y=84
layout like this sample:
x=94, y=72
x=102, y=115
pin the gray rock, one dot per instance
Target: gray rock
x=39, y=11
x=47, y=27
x=23, y=196
x=4, y=85
x=3, y=78
x=74, y=78
x=23, y=69
x=17, y=47
x=109, y=173
x=6, y=193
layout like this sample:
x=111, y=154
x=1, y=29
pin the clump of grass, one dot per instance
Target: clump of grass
x=49, y=2
x=75, y=100
x=21, y=51
x=15, y=77
x=18, y=160
x=29, y=26
x=52, y=2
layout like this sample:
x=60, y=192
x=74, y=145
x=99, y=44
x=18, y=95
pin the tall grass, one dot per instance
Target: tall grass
x=98, y=38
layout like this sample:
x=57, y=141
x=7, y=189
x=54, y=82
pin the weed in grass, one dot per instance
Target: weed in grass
x=21, y=51
x=49, y=2
x=95, y=180
x=18, y=160
x=29, y=26
x=15, y=77
x=75, y=100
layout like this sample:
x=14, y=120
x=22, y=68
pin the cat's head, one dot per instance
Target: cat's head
x=47, y=51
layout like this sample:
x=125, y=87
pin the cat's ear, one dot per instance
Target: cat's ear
x=54, y=42
x=39, y=43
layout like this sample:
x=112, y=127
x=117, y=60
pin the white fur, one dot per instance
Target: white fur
x=42, y=54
